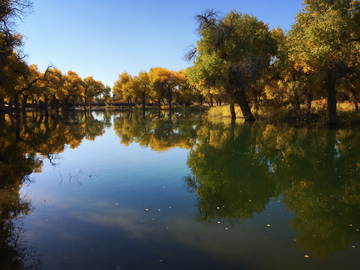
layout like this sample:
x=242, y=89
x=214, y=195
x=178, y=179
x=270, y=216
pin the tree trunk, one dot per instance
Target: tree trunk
x=232, y=110
x=256, y=101
x=241, y=99
x=169, y=96
x=201, y=100
x=331, y=89
x=18, y=128
x=23, y=104
x=33, y=104
x=2, y=105
x=2, y=118
x=17, y=107
x=47, y=123
x=309, y=98
x=66, y=103
x=24, y=122
x=56, y=104
x=143, y=101
x=46, y=105
x=356, y=103
x=297, y=100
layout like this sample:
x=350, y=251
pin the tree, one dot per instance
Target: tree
x=231, y=55
x=56, y=90
x=92, y=89
x=124, y=87
x=106, y=92
x=165, y=79
x=325, y=43
x=74, y=88
x=185, y=93
x=10, y=12
x=144, y=87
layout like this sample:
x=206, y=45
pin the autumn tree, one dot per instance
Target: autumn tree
x=325, y=43
x=106, y=92
x=124, y=86
x=10, y=12
x=165, y=82
x=92, y=88
x=56, y=90
x=143, y=87
x=186, y=93
x=231, y=55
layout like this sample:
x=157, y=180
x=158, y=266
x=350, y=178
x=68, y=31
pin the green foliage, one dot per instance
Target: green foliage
x=232, y=55
x=324, y=44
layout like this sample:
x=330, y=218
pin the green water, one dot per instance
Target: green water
x=122, y=191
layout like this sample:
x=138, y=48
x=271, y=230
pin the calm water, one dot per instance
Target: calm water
x=119, y=191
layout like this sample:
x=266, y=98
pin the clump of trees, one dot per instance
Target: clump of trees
x=159, y=86
x=241, y=59
x=20, y=82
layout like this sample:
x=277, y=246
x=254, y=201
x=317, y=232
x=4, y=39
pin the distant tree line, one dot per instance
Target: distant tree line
x=21, y=83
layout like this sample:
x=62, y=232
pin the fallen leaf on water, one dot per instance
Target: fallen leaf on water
x=146, y=210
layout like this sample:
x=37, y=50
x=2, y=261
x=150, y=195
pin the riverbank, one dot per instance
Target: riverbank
x=346, y=112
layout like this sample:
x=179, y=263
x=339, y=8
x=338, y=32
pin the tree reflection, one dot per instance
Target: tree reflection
x=159, y=131
x=24, y=143
x=237, y=169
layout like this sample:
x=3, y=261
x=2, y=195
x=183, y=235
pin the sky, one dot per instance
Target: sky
x=105, y=38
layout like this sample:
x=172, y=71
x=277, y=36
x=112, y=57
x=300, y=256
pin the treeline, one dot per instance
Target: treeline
x=239, y=57
x=21, y=83
x=239, y=60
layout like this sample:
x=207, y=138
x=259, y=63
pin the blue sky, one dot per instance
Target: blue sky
x=105, y=38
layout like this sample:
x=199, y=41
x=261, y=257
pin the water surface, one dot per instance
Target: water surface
x=176, y=191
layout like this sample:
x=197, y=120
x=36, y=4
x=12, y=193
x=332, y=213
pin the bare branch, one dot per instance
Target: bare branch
x=190, y=54
x=13, y=10
x=207, y=17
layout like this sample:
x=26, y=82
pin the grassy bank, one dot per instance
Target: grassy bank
x=347, y=114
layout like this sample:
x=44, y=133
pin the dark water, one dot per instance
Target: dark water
x=119, y=191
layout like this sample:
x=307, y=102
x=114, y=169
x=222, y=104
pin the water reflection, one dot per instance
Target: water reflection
x=237, y=169
x=159, y=131
x=24, y=143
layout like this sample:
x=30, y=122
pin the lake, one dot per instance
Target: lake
x=98, y=190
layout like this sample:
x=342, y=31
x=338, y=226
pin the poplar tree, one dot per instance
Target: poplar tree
x=231, y=56
x=324, y=43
